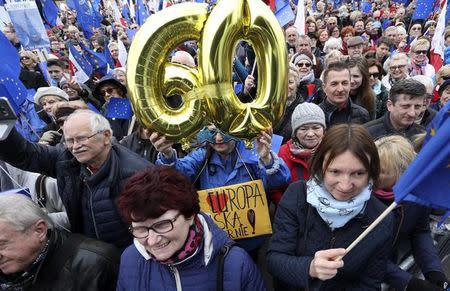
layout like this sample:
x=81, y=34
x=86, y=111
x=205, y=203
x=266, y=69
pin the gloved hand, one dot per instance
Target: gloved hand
x=416, y=284
x=50, y=137
x=438, y=279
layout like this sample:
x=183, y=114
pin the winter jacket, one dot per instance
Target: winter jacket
x=412, y=233
x=91, y=266
x=232, y=171
x=381, y=100
x=298, y=166
x=352, y=113
x=315, y=88
x=382, y=127
x=142, y=147
x=427, y=117
x=138, y=271
x=299, y=232
x=90, y=199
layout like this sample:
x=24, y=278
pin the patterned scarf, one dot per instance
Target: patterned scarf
x=418, y=69
x=334, y=212
x=383, y=194
x=24, y=280
x=191, y=245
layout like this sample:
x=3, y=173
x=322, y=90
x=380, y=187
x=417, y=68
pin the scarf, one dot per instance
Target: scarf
x=418, y=69
x=308, y=79
x=383, y=194
x=191, y=245
x=377, y=88
x=298, y=150
x=24, y=280
x=334, y=212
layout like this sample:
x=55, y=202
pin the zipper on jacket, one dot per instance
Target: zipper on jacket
x=91, y=208
x=176, y=274
x=333, y=239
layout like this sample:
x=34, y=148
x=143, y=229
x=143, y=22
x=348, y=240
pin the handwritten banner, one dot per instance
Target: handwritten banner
x=241, y=209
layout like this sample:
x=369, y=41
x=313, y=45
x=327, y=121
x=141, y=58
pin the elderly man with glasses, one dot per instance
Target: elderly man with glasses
x=398, y=69
x=90, y=172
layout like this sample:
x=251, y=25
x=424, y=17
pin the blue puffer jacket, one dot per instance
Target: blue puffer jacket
x=198, y=273
x=299, y=232
x=230, y=172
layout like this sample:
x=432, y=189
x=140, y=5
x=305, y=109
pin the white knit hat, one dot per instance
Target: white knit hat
x=50, y=91
x=306, y=113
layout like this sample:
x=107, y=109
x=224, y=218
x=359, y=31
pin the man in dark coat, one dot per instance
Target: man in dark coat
x=337, y=106
x=90, y=172
x=36, y=256
x=404, y=106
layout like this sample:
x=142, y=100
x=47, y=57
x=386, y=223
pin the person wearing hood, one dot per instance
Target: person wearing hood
x=177, y=247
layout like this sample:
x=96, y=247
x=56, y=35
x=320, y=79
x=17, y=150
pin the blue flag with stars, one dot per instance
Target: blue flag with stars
x=283, y=12
x=108, y=58
x=97, y=60
x=423, y=9
x=50, y=11
x=427, y=179
x=87, y=17
x=9, y=55
x=119, y=108
x=82, y=63
x=142, y=12
x=12, y=88
x=366, y=7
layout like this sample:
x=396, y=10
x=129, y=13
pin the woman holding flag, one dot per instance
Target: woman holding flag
x=317, y=219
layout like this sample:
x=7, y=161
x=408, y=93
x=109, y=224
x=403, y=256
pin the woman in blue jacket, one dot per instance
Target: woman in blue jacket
x=317, y=219
x=221, y=163
x=176, y=247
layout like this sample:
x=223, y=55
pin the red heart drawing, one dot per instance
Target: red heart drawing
x=217, y=202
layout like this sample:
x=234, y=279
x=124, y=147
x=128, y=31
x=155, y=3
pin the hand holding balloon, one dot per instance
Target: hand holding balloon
x=263, y=146
x=162, y=145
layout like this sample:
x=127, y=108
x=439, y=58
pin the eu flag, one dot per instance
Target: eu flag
x=119, y=108
x=97, y=60
x=12, y=88
x=50, y=11
x=87, y=17
x=9, y=55
x=142, y=12
x=108, y=58
x=423, y=9
x=366, y=7
x=427, y=179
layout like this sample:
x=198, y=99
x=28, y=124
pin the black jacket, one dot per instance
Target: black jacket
x=142, y=147
x=351, y=114
x=90, y=265
x=382, y=127
x=90, y=200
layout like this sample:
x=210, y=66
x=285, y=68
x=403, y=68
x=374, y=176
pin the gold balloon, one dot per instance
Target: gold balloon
x=230, y=22
x=151, y=78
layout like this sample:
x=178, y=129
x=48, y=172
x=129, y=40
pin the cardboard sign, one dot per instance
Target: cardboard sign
x=241, y=209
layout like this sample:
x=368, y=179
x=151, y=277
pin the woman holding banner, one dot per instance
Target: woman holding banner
x=176, y=247
x=224, y=161
x=316, y=220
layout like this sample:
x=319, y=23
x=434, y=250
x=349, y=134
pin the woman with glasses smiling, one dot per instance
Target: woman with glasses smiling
x=419, y=59
x=176, y=247
x=398, y=66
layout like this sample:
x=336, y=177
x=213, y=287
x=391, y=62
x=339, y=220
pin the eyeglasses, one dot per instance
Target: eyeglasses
x=393, y=68
x=107, y=90
x=421, y=52
x=374, y=75
x=161, y=227
x=307, y=65
x=81, y=139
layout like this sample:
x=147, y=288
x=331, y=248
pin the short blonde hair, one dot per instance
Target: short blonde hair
x=443, y=73
x=396, y=153
x=420, y=42
x=293, y=71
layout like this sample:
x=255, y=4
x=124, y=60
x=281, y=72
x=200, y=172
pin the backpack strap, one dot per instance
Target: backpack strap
x=221, y=261
x=41, y=190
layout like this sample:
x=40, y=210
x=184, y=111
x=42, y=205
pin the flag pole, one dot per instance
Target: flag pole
x=371, y=227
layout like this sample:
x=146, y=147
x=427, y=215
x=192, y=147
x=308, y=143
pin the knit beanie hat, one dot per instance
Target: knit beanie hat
x=50, y=91
x=306, y=113
x=299, y=57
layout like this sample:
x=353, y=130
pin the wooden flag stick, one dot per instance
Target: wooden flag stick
x=372, y=226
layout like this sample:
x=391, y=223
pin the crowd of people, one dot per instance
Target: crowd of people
x=107, y=204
